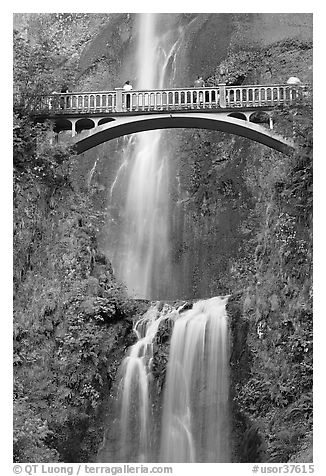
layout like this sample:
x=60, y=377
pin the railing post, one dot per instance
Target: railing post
x=118, y=104
x=73, y=127
x=222, y=95
x=271, y=124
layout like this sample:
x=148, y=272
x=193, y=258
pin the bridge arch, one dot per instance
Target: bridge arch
x=105, y=120
x=218, y=122
x=238, y=115
x=84, y=124
x=62, y=124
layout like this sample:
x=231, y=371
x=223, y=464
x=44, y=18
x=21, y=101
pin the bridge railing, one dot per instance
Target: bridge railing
x=120, y=101
x=263, y=95
x=171, y=99
x=67, y=103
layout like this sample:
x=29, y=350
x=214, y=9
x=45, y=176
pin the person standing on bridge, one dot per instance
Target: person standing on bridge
x=64, y=100
x=199, y=83
x=127, y=87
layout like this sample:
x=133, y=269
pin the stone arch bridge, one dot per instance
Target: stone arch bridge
x=97, y=117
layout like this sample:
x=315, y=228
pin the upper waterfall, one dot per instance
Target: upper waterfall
x=143, y=260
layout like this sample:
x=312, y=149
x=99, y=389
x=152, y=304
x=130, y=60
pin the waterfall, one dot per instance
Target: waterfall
x=91, y=173
x=134, y=393
x=195, y=413
x=193, y=424
x=143, y=260
x=195, y=417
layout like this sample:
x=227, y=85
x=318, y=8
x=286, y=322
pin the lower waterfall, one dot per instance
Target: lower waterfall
x=195, y=411
x=194, y=422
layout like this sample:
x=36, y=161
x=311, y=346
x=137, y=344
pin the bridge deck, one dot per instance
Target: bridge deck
x=174, y=99
x=110, y=114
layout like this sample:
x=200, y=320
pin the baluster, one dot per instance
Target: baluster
x=259, y=97
x=183, y=99
x=251, y=93
x=191, y=99
x=215, y=98
x=173, y=100
x=230, y=96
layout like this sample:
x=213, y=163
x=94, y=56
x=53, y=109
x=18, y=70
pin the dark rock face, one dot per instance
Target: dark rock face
x=248, y=444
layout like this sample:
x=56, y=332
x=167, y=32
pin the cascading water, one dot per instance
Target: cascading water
x=194, y=420
x=135, y=397
x=195, y=415
x=143, y=261
x=135, y=426
x=194, y=423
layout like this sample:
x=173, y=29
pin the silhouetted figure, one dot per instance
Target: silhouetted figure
x=64, y=100
x=199, y=83
x=127, y=87
x=293, y=80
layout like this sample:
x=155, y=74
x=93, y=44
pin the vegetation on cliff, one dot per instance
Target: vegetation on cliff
x=278, y=303
x=273, y=272
x=248, y=211
x=71, y=317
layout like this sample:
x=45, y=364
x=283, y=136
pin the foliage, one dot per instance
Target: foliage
x=30, y=435
x=71, y=323
x=71, y=317
x=273, y=64
x=235, y=68
x=278, y=393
